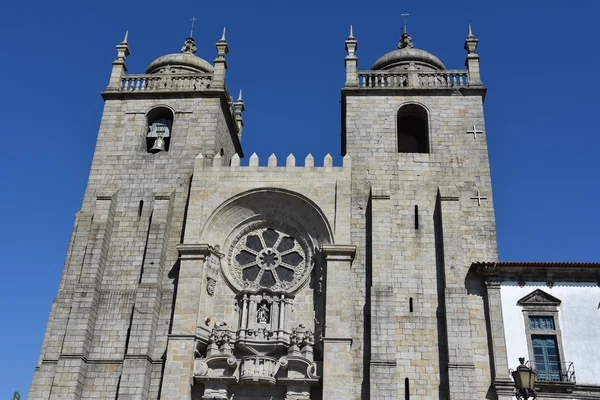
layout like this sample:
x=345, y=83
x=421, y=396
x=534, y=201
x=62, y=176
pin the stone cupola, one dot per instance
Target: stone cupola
x=406, y=56
x=184, y=62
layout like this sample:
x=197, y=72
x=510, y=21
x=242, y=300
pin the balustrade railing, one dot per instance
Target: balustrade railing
x=423, y=79
x=373, y=79
x=448, y=78
x=155, y=83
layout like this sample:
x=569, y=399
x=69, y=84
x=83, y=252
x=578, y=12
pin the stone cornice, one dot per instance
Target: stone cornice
x=188, y=251
x=503, y=271
x=347, y=341
x=414, y=91
x=339, y=252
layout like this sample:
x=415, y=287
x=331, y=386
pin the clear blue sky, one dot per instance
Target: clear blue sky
x=539, y=60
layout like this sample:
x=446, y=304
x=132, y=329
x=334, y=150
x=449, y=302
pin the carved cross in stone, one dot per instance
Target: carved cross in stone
x=474, y=132
x=404, y=14
x=194, y=19
x=479, y=197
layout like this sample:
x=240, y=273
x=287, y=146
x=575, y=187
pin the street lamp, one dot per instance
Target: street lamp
x=524, y=378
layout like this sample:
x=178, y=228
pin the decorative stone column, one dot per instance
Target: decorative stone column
x=239, y=108
x=351, y=61
x=119, y=68
x=218, y=81
x=472, y=61
x=337, y=344
x=179, y=368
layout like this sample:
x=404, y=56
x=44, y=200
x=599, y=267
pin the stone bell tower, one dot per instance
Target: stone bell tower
x=108, y=329
x=422, y=213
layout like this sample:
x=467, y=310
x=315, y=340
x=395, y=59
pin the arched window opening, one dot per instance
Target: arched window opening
x=160, y=124
x=406, y=389
x=413, y=129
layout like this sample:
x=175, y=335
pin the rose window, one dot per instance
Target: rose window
x=267, y=258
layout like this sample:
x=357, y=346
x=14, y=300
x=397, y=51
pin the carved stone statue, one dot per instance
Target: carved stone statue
x=189, y=46
x=405, y=41
x=262, y=315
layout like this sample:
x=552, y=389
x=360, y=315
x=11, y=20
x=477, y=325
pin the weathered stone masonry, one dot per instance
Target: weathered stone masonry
x=189, y=276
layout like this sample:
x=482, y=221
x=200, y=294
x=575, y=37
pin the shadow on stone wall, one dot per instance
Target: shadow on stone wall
x=444, y=388
x=366, y=385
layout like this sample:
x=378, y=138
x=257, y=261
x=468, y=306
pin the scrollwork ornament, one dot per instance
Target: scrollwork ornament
x=201, y=367
x=311, y=370
x=231, y=360
x=210, y=286
x=284, y=362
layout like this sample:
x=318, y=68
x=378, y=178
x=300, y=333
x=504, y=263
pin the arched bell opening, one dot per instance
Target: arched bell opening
x=159, y=121
x=413, y=129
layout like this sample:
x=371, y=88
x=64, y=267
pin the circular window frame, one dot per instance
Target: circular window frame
x=232, y=270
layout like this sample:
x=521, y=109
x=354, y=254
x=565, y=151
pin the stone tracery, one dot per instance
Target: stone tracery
x=267, y=258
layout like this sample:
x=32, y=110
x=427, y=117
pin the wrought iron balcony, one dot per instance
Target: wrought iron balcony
x=566, y=373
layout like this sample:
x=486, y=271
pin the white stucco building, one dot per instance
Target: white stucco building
x=550, y=313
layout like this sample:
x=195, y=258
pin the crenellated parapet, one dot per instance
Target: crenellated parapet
x=272, y=163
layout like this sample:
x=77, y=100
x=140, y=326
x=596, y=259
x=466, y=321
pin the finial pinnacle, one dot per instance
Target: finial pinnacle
x=223, y=37
x=240, y=96
x=125, y=38
x=351, y=33
x=470, y=31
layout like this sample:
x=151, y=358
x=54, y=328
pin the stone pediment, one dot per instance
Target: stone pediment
x=539, y=298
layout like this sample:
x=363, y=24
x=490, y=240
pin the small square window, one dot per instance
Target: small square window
x=541, y=323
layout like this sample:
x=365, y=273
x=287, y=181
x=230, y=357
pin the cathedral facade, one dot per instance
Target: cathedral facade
x=189, y=276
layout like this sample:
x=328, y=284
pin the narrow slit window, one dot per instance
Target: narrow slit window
x=410, y=304
x=416, y=217
x=128, y=335
x=406, y=389
x=140, y=208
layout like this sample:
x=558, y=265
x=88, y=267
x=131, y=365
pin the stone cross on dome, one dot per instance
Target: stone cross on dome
x=194, y=19
x=189, y=45
x=405, y=15
x=405, y=39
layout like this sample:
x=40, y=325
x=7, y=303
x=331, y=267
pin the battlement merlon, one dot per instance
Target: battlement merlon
x=217, y=163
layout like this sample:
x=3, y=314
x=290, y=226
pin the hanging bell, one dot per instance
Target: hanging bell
x=159, y=145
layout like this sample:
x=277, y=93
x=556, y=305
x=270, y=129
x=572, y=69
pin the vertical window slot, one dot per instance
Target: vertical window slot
x=416, y=217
